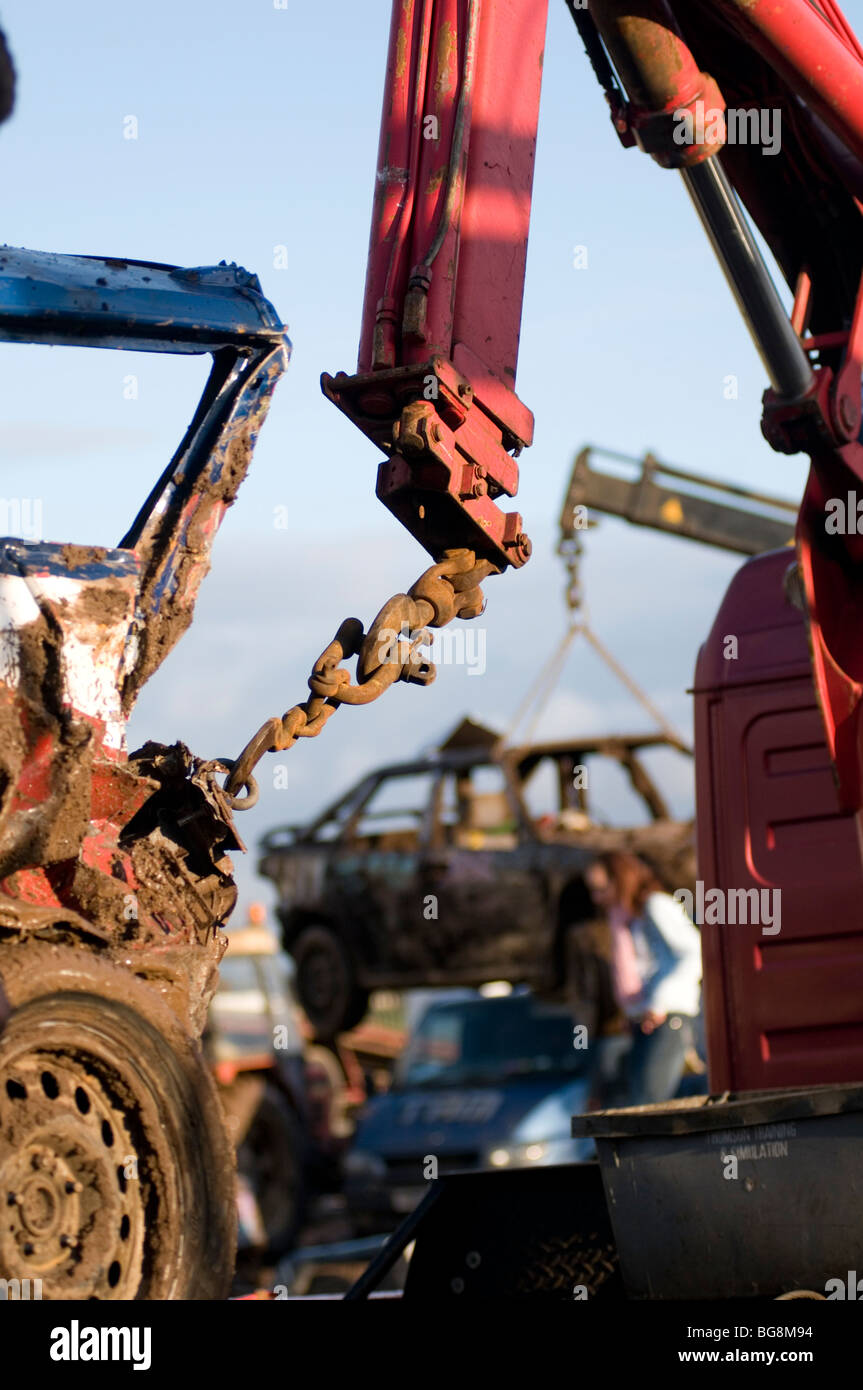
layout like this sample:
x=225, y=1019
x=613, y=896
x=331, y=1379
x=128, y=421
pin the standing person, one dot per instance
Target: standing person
x=656, y=969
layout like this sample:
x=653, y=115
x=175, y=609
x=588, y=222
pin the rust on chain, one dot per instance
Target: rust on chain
x=390, y=651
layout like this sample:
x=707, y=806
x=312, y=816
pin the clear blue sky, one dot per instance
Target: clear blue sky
x=257, y=128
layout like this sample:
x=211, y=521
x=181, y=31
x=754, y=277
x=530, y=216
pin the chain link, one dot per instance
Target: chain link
x=572, y=551
x=390, y=651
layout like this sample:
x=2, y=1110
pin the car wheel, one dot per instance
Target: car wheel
x=115, y=1166
x=326, y=983
x=270, y=1159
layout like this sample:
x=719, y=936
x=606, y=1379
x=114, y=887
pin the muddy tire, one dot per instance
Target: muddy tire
x=326, y=983
x=116, y=1172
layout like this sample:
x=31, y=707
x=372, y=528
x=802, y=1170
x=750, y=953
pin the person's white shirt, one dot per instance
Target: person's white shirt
x=668, y=950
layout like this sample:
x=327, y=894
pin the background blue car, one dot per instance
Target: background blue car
x=483, y=1082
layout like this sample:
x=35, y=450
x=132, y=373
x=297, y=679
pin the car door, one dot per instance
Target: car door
x=484, y=900
x=373, y=873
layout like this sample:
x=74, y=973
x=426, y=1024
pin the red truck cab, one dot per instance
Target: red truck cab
x=783, y=1007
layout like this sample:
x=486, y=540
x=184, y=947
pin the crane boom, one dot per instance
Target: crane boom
x=656, y=499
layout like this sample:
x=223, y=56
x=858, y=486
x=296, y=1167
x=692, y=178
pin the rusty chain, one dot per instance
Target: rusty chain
x=388, y=652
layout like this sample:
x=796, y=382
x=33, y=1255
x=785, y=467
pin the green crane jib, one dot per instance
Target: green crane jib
x=657, y=497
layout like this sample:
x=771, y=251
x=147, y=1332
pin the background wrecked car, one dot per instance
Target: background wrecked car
x=461, y=867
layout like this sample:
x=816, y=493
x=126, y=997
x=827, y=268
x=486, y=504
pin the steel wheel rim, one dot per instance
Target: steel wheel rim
x=72, y=1190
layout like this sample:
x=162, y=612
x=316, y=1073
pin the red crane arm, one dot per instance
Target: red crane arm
x=435, y=380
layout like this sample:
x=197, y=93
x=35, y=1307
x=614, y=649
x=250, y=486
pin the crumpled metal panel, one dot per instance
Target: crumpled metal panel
x=127, y=855
x=103, y=301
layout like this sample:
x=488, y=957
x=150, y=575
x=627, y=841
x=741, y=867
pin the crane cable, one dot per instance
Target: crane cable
x=548, y=677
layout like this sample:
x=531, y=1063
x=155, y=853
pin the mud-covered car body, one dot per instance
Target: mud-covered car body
x=440, y=872
x=115, y=876
x=129, y=853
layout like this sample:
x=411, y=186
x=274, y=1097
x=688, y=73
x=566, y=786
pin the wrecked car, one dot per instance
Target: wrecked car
x=452, y=870
x=115, y=1164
